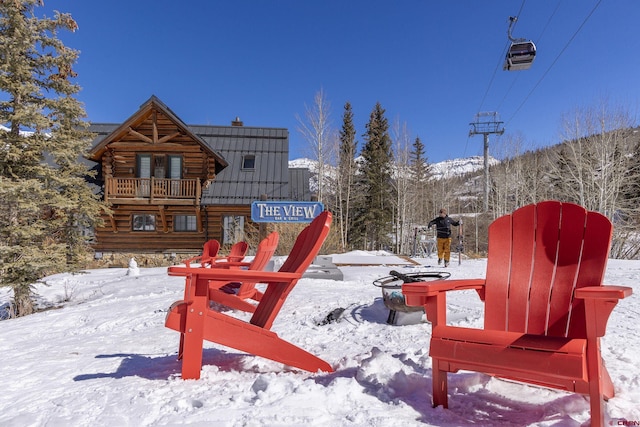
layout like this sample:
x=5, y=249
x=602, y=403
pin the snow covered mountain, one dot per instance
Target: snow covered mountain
x=444, y=169
x=457, y=167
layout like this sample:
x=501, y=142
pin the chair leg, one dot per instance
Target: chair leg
x=192, y=343
x=597, y=409
x=193, y=334
x=439, y=379
x=599, y=382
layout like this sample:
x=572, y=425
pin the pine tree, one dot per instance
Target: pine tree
x=420, y=174
x=375, y=213
x=46, y=202
x=346, y=173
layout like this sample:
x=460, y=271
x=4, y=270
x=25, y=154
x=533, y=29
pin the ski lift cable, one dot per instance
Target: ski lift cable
x=544, y=30
x=466, y=144
x=513, y=83
x=537, y=41
x=553, y=63
x=501, y=59
x=495, y=71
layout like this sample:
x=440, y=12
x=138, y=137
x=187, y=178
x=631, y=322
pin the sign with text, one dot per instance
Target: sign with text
x=267, y=211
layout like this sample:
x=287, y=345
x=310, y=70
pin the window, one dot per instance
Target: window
x=159, y=166
x=232, y=229
x=184, y=223
x=175, y=167
x=248, y=162
x=144, y=165
x=144, y=222
x=175, y=174
x=144, y=171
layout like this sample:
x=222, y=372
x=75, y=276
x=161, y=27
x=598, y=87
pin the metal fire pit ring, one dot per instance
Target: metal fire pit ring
x=391, y=287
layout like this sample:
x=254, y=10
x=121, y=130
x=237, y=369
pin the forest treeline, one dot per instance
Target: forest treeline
x=384, y=194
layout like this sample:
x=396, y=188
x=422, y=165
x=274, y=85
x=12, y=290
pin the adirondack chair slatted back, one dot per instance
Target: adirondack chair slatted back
x=210, y=249
x=305, y=249
x=238, y=251
x=537, y=257
x=266, y=248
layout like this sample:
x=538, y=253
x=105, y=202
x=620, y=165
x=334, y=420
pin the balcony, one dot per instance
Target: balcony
x=153, y=191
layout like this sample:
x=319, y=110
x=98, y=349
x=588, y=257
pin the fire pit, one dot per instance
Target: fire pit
x=392, y=291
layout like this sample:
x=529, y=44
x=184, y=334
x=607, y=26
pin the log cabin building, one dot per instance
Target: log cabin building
x=173, y=186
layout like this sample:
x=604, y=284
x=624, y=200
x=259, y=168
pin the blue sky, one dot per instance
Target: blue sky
x=431, y=64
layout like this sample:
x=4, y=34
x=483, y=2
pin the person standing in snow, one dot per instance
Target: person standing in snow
x=443, y=229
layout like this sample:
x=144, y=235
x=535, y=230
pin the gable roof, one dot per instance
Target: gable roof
x=233, y=185
x=143, y=113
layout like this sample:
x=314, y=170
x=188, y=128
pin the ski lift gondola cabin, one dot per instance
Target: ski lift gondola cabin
x=520, y=55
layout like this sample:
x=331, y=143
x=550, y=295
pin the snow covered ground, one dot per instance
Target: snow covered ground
x=104, y=358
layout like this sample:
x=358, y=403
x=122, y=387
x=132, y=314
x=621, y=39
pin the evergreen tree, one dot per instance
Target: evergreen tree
x=346, y=173
x=46, y=202
x=419, y=166
x=375, y=213
x=420, y=174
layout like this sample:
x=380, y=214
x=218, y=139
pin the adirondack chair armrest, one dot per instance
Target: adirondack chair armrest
x=433, y=296
x=599, y=303
x=223, y=263
x=416, y=292
x=604, y=292
x=195, y=259
x=235, y=275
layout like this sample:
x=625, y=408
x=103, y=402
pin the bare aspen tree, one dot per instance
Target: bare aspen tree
x=508, y=184
x=316, y=129
x=627, y=224
x=403, y=184
x=589, y=168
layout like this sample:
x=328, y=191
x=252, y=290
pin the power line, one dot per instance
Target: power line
x=554, y=61
x=501, y=59
x=495, y=71
x=537, y=40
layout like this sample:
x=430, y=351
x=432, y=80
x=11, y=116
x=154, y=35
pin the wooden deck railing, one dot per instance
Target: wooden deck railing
x=152, y=189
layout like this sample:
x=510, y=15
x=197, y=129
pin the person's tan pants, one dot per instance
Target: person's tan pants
x=444, y=248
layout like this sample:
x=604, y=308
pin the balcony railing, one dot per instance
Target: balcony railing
x=153, y=190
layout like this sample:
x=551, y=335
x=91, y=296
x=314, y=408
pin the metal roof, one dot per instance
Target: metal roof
x=236, y=185
x=299, y=184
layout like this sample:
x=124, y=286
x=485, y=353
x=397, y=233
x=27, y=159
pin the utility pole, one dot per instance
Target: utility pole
x=486, y=123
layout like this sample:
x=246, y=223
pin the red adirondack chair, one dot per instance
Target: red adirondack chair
x=209, y=251
x=193, y=318
x=236, y=253
x=236, y=294
x=210, y=257
x=545, y=305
